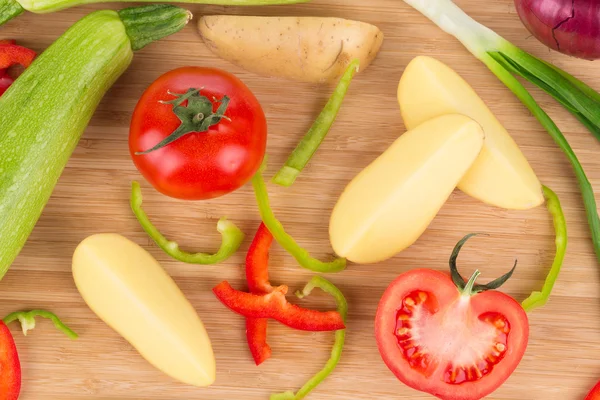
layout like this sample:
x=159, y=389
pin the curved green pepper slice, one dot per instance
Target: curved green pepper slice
x=232, y=236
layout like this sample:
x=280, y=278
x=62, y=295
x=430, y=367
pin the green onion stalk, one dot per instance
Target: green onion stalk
x=506, y=61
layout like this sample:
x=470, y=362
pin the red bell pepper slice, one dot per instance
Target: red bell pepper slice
x=12, y=54
x=257, y=262
x=5, y=82
x=275, y=306
x=256, y=335
x=10, y=367
x=257, y=275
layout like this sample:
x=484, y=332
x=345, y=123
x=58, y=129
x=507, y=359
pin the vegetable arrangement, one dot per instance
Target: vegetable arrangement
x=199, y=133
x=36, y=119
x=506, y=60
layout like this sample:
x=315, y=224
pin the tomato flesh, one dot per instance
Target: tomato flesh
x=438, y=341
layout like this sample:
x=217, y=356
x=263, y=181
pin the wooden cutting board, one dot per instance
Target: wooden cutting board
x=562, y=361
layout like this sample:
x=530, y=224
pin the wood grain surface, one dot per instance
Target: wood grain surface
x=562, y=361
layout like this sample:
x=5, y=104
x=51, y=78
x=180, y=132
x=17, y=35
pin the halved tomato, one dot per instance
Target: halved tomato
x=453, y=339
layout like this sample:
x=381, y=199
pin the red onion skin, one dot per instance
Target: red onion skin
x=571, y=27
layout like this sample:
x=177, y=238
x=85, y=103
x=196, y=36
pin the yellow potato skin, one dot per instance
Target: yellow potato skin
x=501, y=176
x=389, y=204
x=307, y=49
x=129, y=290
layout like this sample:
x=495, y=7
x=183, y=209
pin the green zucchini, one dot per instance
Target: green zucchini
x=9, y=9
x=44, y=113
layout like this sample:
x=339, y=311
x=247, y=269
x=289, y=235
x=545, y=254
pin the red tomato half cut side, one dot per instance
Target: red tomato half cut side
x=454, y=346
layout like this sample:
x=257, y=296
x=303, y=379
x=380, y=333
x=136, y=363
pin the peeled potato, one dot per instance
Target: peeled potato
x=129, y=290
x=308, y=49
x=388, y=205
x=501, y=176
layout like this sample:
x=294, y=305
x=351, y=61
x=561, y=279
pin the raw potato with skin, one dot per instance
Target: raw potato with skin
x=308, y=49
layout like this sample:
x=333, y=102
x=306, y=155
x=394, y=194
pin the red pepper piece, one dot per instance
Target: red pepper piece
x=8, y=41
x=257, y=262
x=12, y=54
x=257, y=275
x=256, y=334
x=10, y=367
x=275, y=306
x=5, y=81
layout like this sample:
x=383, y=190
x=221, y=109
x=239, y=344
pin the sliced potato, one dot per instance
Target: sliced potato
x=388, y=205
x=308, y=49
x=501, y=176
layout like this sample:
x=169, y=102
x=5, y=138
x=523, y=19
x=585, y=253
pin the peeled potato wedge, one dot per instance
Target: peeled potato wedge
x=388, y=205
x=129, y=290
x=307, y=49
x=501, y=176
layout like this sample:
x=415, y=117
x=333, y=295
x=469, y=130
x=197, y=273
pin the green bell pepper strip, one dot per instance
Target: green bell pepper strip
x=282, y=237
x=539, y=299
x=317, y=132
x=27, y=320
x=232, y=236
x=336, y=351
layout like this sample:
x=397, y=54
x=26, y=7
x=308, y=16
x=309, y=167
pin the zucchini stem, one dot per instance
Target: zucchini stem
x=147, y=24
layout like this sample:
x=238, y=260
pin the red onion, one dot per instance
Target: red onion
x=569, y=26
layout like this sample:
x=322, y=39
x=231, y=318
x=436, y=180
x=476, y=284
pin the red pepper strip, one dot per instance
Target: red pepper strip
x=274, y=305
x=256, y=334
x=10, y=378
x=5, y=82
x=12, y=54
x=257, y=275
x=3, y=70
x=257, y=262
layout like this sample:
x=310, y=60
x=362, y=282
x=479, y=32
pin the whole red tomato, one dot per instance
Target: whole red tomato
x=454, y=340
x=214, y=148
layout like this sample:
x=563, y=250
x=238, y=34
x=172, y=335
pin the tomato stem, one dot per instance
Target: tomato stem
x=468, y=290
x=459, y=281
x=196, y=116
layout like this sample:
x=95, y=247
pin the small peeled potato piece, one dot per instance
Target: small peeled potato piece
x=390, y=203
x=129, y=290
x=307, y=49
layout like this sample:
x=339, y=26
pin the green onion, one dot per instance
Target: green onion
x=506, y=60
